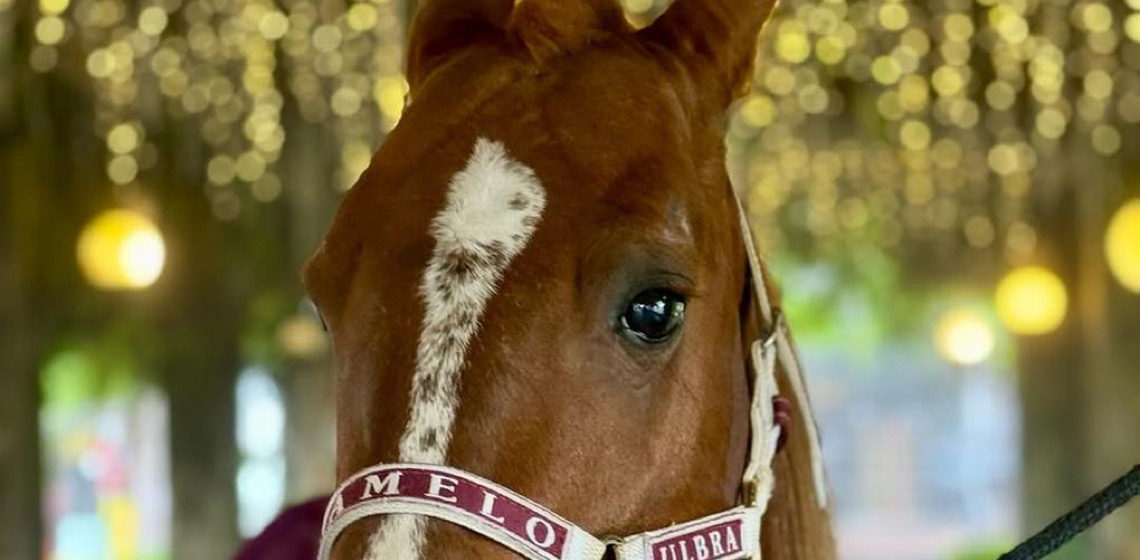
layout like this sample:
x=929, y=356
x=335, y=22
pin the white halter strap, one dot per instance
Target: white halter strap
x=536, y=533
x=777, y=348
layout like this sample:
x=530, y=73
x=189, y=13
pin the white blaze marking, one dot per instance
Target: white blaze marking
x=493, y=206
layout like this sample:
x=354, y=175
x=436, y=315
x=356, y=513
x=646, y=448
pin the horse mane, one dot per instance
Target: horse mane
x=795, y=526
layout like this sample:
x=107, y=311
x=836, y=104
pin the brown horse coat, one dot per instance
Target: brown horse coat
x=622, y=132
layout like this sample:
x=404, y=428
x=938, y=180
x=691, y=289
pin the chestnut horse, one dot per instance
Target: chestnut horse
x=540, y=281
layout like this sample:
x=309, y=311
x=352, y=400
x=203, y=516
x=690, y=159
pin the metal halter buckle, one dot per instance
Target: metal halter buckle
x=751, y=493
x=612, y=543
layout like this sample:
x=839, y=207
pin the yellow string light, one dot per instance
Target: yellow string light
x=1122, y=245
x=1031, y=300
x=964, y=337
x=925, y=98
x=121, y=250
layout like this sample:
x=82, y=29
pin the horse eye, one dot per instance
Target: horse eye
x=653, y=315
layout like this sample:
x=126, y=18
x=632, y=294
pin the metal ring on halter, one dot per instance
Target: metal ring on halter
x=613, y=543
x=773, y=335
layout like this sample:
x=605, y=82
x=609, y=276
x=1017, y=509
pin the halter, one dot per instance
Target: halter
x=533, y=531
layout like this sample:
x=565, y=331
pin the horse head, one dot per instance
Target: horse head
x=540, y=278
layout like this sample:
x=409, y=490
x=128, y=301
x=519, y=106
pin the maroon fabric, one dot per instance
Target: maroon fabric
x=294, y=535
x=783, y=410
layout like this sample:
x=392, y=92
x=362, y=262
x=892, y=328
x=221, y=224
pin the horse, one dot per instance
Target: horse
x=549, y=328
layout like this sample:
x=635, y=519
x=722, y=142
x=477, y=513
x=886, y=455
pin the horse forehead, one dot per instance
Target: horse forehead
x=612, y=101
x=581, y=139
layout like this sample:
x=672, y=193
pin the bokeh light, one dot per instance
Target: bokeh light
x=121, y=250
x=1031, y=300
x=301, y=336
x=964, y=337
x=1122, y=245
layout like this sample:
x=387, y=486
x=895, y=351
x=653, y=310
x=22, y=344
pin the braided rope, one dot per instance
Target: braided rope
x=1077, y=521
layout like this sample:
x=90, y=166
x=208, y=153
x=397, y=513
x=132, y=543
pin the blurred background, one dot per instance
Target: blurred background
x=947, y=189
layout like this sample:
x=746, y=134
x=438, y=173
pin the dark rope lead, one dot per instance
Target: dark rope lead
x=1077, y=521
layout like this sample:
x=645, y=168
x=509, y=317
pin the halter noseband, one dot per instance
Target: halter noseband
x=536, y=533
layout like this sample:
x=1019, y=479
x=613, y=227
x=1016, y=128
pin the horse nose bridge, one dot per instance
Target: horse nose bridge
x=441, y=541
x=353, y=542
x=444, y=541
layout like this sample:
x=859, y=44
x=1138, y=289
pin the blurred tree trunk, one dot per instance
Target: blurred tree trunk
x=310, y=445
x=199, y=380
x=1080, y=385
x=20, y=470
x=21, y=328
x=1053, y=407
x=1109, y=375
x=1112, y=373
x=307, y=384
x=1117, y=421
x=202, y=309
x=20, y=480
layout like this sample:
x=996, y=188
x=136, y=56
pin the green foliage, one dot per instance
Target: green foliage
x=266, y=312
x=81, y=373
x=981, y=551
x=1077, y=549
x=857, y=300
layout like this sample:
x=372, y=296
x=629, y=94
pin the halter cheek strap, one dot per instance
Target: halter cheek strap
x=777, y=349
x=536, y=533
